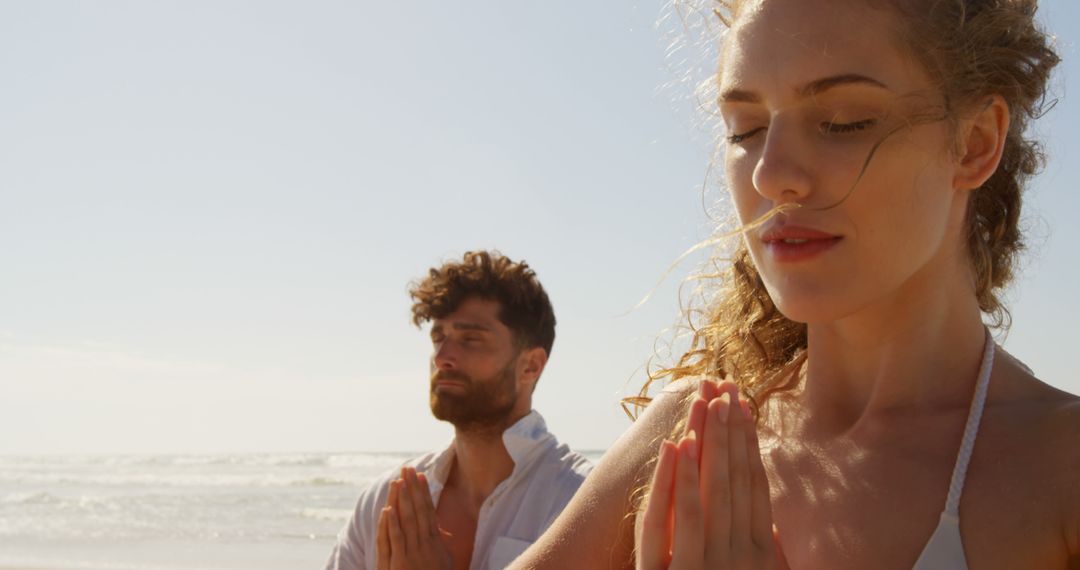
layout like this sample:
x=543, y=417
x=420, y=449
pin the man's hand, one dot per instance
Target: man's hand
x=409, y=537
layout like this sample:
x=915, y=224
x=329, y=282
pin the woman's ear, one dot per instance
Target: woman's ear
x=982, y=141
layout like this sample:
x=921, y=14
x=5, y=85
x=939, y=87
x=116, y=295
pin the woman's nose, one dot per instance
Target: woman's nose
x=782, y=171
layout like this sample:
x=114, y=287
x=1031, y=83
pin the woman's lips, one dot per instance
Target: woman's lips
x=796, y=243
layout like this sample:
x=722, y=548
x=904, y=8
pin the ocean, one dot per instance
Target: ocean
x=180, y=512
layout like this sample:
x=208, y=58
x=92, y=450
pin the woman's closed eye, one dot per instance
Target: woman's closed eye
x=831, y=127
x=740, y=137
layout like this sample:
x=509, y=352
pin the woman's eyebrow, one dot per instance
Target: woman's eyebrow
x=819, y=86
x=811, y=89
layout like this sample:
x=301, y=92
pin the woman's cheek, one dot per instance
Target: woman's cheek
x=739, y=170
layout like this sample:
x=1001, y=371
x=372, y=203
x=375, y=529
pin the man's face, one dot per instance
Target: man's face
x=473, y=366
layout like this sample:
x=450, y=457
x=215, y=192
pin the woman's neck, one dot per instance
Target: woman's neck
x=917, y=351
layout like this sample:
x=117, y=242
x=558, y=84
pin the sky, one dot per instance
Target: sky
x=210, y=212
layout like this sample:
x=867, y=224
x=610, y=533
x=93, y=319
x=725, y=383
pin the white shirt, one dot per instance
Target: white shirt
x=546, y=475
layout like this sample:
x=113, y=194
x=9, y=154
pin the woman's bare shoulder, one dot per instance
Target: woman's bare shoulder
x=602, y=510
x=684, y=386
x=1041, y=424
x=1060, y=430
x=1039, y=412
x=1057, y=468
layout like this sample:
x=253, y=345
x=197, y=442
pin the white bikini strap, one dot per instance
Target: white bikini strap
x=967, y=445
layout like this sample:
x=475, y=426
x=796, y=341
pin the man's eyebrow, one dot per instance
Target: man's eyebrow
x=815, y=87
x=471, y=327
x=440, y=329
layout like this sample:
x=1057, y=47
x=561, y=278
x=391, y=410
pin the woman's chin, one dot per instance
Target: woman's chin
x=809, y=309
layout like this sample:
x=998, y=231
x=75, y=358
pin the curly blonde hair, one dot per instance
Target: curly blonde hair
x=971, y=49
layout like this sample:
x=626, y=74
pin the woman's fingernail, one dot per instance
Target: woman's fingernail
x=745, y=407
x=722, y=408
x=691, y=439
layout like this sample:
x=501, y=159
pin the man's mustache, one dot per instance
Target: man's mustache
x=450, y=375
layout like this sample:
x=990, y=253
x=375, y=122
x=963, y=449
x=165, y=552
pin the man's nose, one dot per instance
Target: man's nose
x=445, y=358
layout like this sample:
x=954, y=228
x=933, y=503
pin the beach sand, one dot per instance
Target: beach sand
x=166, y=555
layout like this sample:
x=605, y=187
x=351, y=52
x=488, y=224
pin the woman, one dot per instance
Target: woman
x=876, y=156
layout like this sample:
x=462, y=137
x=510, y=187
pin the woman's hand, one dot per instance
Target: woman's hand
x=709, y=505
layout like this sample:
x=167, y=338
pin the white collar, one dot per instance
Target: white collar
x=522, y=440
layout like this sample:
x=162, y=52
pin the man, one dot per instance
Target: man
x=479, y=503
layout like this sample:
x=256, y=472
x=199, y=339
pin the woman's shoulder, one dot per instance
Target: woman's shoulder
x=1054, y=467
x=1033, y=404
x=667, y=400
x=1042, y=423
x=1025, y=394
x=683, y=386
x=1059, y=428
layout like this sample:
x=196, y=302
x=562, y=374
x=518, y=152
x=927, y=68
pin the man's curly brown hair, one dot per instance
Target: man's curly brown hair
x=524, y=306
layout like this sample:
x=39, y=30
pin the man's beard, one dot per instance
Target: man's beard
x=484, y=405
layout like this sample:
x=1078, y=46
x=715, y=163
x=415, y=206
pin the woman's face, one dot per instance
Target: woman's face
x=807, y=87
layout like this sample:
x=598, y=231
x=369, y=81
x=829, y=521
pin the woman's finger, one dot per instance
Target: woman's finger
x=716, y=484
x=654, y=546
x=761, y=527
x=382, y=542
x=729, y=387
x=739, y=463
x=688, y=540
x=695, y=422
x=708, y=390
